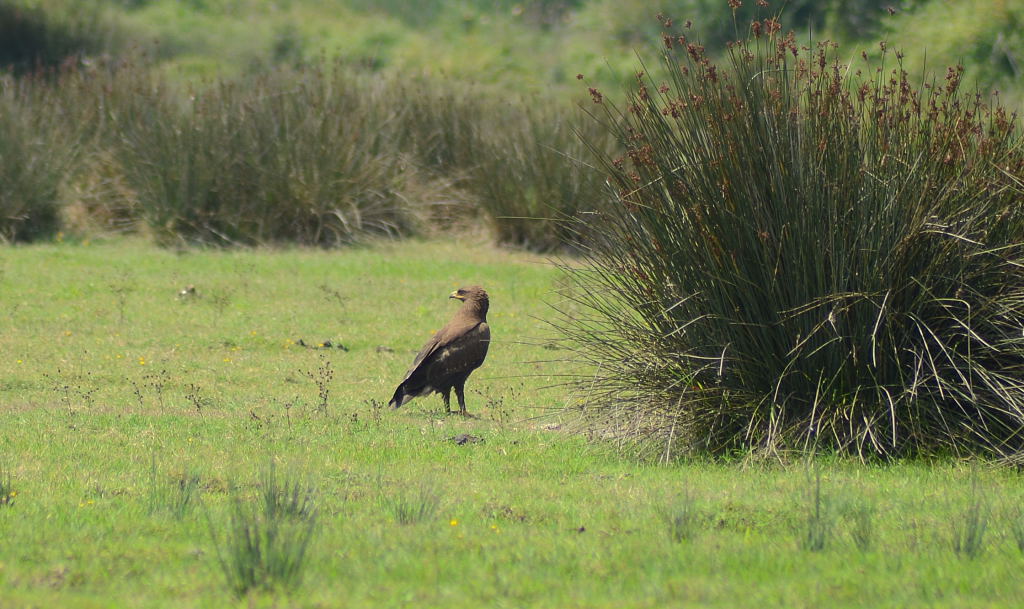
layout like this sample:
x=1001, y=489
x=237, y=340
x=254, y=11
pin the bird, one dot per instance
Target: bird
x=451, y=355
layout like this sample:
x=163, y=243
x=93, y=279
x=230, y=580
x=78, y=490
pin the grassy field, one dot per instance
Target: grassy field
x=133, y=416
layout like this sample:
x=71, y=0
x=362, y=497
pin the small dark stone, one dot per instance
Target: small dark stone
x=581, y=530
x=465, y=438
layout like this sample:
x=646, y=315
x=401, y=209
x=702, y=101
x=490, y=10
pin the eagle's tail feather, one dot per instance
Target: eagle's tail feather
x=399, y=398
x=404, y=394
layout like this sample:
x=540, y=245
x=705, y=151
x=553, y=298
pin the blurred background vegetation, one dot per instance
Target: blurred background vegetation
x=184, y=119
x=529, y=44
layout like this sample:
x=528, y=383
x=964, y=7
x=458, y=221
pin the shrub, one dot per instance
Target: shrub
x=521, y=162
x=91, y=101
x=806, y=255
x=316, y=156
x=439, y=128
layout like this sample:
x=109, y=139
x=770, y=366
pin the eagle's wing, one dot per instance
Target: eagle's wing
x=445, y=337
x=428, y=349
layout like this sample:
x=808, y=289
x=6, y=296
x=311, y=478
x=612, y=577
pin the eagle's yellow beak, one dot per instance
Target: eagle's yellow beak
x=456, y=296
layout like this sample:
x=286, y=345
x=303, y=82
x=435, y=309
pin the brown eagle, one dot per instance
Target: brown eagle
x=449, y=357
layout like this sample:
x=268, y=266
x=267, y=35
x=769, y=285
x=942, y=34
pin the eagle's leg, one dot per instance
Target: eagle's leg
x=461, y=395
x=446, y=396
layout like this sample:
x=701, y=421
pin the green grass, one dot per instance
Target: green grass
x=103, y=366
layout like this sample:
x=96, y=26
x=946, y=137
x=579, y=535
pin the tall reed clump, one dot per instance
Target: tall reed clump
x=805, y=255
x=292, y=156
x=523, y=162
x=319, y=156
x=36, y=152
x=535, y=174
x=92, y=101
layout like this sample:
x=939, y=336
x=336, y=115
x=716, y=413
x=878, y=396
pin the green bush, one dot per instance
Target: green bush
x=805, y=255
x=441, y=120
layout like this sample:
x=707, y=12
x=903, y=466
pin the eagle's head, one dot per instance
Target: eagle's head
x=474, y=296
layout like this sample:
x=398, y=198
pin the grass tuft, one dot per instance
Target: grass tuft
x=818, y=523
x=246, y=162
x=37, y=150
x=861, y=519
x=411, y=505
x=968, y=534
x=177, y=495
x=7, y=492
x=1017, y=528
x=683, y=518
x=284, y=498
x=266, y=544
x=536, y=175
